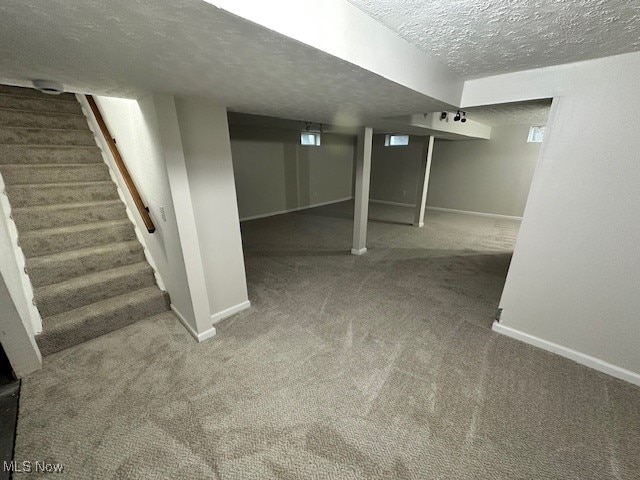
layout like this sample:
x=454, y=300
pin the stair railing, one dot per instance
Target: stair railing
x=126, y=176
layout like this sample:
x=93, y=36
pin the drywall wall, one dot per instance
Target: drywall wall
x=16, y=328
x=204, y=133
x=487, y=176
x=274, y=173
x=133, y=124
x=13, y=266
x=573, y=282
x=178, y=153
x=395, y=170
x=16, y=338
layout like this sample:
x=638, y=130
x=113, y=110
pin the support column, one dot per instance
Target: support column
x=425, y=170
x=197, y=149
x=363, y=177
x=195, y=299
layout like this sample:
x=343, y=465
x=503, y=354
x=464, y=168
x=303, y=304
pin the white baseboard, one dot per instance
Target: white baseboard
x=200, y=337
x=421, y=224
x=361, y=251
x=297, y=209
x=582, y=358
x=216, y=317
x=477, y=214
x=397, y=204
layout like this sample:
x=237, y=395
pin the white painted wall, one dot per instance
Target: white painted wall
x=573, y=282
x=395, y=170
x=178, y=153
x=207, y=153
x=13, y=266
x=133, y=124
x=486, y=176
x=275, y=174
x=16, y=326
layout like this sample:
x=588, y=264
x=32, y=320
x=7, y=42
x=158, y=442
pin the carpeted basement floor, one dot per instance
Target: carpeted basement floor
x=380, y=366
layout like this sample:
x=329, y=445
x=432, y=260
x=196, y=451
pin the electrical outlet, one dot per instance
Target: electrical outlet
x=163, y=214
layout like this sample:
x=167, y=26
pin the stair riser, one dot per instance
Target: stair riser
x=19, y=155
x=40, y=105
x=28, y=195
x=40, y=243
x=28, y=220
x=51, y=303
x=32, y=92
x=28, y=174
x=52, y=271
x=100, y=323
x=10, y=118
x=20, y=136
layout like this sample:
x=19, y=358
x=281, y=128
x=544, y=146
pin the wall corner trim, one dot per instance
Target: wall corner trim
x=200, y=337
x=579, y=357
x=361, y=251
x=216, y=317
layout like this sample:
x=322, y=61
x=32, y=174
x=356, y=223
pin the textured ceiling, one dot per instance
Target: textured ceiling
x=189, y=47
x=531, y=113
x=484, y=37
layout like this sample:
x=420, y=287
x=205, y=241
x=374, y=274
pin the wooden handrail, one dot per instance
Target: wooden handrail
x=137, y=199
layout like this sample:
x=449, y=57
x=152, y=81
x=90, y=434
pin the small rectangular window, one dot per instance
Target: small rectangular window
x=396, y=140
x=536, y=134
x=310, y=138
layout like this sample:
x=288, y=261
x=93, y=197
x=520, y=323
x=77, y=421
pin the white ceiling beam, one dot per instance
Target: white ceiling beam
x=342, y=30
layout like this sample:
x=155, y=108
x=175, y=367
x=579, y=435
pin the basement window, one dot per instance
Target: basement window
x=536, y=134
x=396, y=140
x=310, y=138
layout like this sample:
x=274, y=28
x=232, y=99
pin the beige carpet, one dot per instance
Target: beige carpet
x=381, y=366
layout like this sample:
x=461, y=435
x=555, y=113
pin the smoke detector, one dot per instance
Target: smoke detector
x=48, y=86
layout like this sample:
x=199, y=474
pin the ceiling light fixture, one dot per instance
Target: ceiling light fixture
x=443, y=116
x=48, y=86
x=457, y=117
x=463, y=117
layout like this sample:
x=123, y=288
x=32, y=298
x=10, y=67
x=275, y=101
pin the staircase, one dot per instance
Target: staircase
x=88, y=270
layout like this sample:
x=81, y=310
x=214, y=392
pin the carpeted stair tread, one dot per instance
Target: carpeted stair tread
x=58, y=173
x=67, y=214
x=90, y=321
x=32, y=92
x=59, y=267
x=79, y=291
x=52, y=154
x=54, y=240
x=88, y=271
x=45, y=136
x=41, y=104
x=57, y=193
x=10, y=117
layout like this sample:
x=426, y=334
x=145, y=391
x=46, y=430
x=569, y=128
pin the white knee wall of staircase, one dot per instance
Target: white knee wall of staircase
x=12, y=266
x=122, y=113
x=178, y=153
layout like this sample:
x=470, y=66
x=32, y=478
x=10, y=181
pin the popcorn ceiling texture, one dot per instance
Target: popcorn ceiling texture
x=483, y=37
x=519, y=113
x=189, y=47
